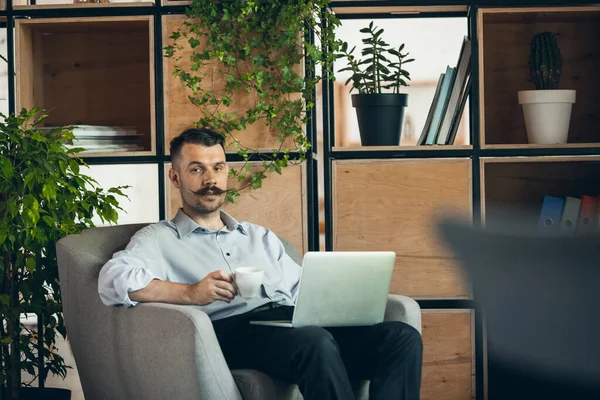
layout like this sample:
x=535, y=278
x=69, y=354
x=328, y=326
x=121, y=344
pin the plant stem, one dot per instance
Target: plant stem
x=40, y=343
x=13, y=324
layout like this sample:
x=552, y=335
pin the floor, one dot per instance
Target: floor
x=71, y=382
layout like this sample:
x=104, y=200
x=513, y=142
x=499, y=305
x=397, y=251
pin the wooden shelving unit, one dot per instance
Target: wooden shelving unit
x=389, y=197
x=89, y=71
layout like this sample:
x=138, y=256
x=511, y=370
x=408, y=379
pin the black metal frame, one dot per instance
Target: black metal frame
x=157, y=10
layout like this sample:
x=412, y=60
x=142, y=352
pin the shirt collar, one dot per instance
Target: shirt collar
x=185, y=225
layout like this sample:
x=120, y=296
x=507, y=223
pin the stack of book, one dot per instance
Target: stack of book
x=97, y=138
x=449, y=101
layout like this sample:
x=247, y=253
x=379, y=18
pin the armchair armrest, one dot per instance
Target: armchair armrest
x=404, y=309
x=171, y=352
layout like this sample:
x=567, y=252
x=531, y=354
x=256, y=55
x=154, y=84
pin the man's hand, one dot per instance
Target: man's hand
x=216, y=286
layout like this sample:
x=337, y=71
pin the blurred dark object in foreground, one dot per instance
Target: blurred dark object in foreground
x=540, y=296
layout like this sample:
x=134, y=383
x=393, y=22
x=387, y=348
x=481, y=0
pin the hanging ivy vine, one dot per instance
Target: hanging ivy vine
x=259, y=49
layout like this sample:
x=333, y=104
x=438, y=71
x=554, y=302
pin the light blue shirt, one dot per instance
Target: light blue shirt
x=182, y=251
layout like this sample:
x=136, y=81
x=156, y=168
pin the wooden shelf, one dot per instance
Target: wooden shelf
x=504, y=46
x=541, y=146
x=89, y=71
x=518, y=184
x=398, y=10
x=393, y=205
x=402, y=148
x=72, y=5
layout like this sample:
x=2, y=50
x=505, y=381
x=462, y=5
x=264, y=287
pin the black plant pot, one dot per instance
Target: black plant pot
x=34, y=393
x=380, y=117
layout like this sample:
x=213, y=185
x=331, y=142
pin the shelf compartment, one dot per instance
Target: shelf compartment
x=280, y=205
x=448, y=355
x=393, y=205
x=517, y=185
x=180, y=113
x=504, y=46
x=96, y=71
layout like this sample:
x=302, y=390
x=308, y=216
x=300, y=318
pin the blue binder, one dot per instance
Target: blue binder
x=552, y=208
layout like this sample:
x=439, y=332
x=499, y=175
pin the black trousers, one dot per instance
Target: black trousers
x=323, y=361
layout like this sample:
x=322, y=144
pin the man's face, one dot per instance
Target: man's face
x=200, y=174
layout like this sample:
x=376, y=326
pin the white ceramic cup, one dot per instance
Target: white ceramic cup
x=248, y=280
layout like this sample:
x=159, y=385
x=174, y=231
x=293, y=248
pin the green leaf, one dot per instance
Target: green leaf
x=193, y=42
x=31, y=264
x=48, y=191
x=275, y=168
x=49, y=220
x=6, y=167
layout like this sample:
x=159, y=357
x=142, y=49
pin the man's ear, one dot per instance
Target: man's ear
x=174, y=177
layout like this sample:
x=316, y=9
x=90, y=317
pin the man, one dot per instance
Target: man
x=189, y=261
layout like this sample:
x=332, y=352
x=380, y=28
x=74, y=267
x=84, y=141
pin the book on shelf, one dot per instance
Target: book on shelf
x=449, y=101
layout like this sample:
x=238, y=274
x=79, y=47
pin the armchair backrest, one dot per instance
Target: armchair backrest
x=93, y=338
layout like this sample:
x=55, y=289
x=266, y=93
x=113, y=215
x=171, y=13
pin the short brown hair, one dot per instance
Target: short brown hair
x=204, y=136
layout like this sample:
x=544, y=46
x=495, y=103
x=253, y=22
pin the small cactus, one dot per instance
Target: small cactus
x=545, y=61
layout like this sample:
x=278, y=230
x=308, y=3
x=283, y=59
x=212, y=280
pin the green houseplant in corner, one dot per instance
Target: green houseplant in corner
x=547, y=109
x=378, y=78
x=43, y=197
x=255, y=50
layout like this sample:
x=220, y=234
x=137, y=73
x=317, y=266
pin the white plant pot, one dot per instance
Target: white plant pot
x=547, y=114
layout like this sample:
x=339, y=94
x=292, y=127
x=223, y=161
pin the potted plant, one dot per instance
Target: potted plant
x=258, y=49
x=43, y=197
x=547, y=109
x=378, y=78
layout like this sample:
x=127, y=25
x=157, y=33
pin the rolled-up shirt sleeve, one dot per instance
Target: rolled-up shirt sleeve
x=130, y=269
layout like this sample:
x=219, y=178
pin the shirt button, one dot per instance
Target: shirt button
x=227, y=254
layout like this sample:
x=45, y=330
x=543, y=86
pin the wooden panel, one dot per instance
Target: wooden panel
x=96, y=71
x=393, y=205
x=181, y=114
x=448, y=361
x=505, y=39
x=26, y=61
x=279, y=205
x=520, y=184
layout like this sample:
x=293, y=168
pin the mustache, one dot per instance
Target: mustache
x=209, y=190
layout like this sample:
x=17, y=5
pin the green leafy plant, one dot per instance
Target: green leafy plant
x=382, y=66
x=257, y=47
x=545, y=61
x=43, y=197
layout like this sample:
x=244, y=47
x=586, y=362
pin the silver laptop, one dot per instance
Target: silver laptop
x=341, y=289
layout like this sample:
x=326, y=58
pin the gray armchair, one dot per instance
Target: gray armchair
x=158, y=351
